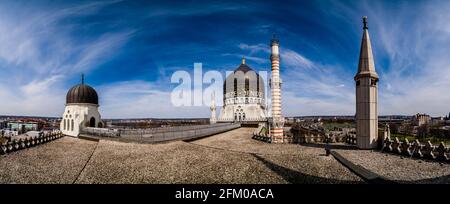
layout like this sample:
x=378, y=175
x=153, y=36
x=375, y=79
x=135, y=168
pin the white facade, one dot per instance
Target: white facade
x=243, y=112
x=77, y=116
x=244, y=93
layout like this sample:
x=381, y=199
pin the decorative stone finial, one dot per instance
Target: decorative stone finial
x=274, y=39
x=82, y=78
x=243, y=59
x=365, y=22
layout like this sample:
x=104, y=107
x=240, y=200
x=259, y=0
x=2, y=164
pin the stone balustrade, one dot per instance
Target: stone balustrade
x=315, y=134
x=350, y=139
x=101, y=132
x=160, y=134
x=228, y=120
x=23, y=142
x=417, y=149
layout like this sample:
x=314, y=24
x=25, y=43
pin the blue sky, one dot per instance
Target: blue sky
x=128, y=51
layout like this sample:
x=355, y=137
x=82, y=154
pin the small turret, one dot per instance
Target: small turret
x=213, y=119
x=366, y=80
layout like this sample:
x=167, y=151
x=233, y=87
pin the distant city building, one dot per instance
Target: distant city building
x=366, y=95
x=81, y=110
x=421, y=119
x=2, y=124
x=22, y=126
x=29, y=123
x=243, y=98
x=328, y=117
x=437, y=121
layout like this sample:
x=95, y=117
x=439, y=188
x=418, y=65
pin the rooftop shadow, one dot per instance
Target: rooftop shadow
x=331, y=145
x=296, y=177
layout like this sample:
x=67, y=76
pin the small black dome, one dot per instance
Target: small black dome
x=82, y=93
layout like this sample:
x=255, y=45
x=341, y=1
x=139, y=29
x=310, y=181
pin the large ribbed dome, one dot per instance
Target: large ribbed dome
x=245, y=82
x=82, y=93
x=243, y=68
x=243, y=96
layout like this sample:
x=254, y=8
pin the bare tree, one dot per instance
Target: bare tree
x=423, y=131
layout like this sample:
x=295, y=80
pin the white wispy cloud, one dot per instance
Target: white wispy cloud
x=258, y=60
x=294, y=59
x=193, y=8
x=141, y=99
x=38, y=55
x=417, y=78
x=254, y=48
x=310, y=88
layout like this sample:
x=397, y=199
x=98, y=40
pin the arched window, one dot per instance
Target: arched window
x=373, y=82
x=235, y=87
x=92, y=122
x=224, y=90
x=64, y=121
x=247, y=86
x=257, y=85
x=71, y=125
x=243, y=116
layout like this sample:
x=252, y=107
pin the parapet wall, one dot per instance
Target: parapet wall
x=416, y=149
x=23, y=142
x=310, y=134
x=151, y=135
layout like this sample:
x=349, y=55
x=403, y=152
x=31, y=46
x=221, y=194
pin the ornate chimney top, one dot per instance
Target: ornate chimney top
x=274, y=40
x=365, y=22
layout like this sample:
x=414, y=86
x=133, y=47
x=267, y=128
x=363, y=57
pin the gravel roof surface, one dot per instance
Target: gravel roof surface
x=59, y=161
x=399, y=168
x=306, y=164
x=231, y=157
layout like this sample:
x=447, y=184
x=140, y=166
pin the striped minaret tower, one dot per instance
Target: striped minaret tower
x=366, y=95
x=277, y=123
